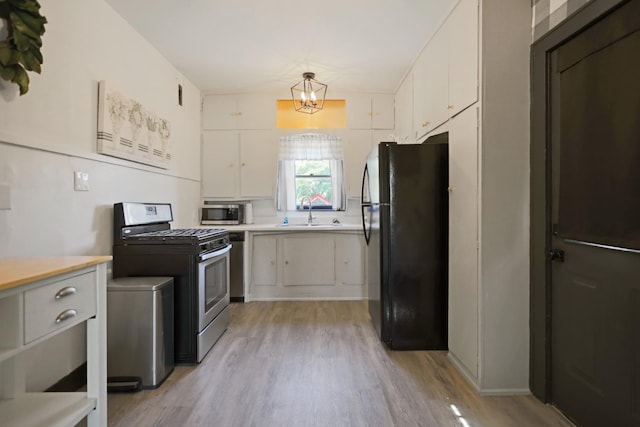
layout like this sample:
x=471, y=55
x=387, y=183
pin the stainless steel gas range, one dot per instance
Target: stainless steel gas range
x=198, y=259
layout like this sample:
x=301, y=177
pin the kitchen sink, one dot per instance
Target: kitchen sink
x=309, y=225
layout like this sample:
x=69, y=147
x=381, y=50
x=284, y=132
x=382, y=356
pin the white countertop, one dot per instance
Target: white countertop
x=288, y=228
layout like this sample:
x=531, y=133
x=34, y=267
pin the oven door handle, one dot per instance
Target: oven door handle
x=214, y=254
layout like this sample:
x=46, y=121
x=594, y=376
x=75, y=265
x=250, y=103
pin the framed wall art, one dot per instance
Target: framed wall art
x=129, y=130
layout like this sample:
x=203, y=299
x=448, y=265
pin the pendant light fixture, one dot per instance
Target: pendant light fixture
x=308, y=95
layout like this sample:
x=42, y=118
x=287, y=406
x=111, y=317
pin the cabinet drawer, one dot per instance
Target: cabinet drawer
x=58, y=305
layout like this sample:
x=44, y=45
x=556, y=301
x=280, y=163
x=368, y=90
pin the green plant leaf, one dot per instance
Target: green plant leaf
x=7, y=73
x=5, y=52
x=20, y=51
x=13, y=58
x=21, y=78
x=37, y=54
x=21, y=41
x=30, y=62
x=26, y=5
x=35, y=23
x=21, y=26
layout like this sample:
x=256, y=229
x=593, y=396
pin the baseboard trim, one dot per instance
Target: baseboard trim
x=74, y=381
x=463, y=371
x=485, y=391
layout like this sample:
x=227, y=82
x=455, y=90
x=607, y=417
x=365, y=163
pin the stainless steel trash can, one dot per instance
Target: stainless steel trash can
x=140, y=351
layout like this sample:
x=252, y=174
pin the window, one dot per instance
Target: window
x=313, y=180
x=310, y=172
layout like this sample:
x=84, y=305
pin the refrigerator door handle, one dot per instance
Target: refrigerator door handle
x=364, y=223
x=364, y=204
x=364, y=180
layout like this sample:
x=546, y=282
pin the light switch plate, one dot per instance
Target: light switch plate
x=80, y=181
x=5, y=197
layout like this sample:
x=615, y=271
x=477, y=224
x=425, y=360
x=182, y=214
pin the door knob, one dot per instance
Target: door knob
x=556, y=255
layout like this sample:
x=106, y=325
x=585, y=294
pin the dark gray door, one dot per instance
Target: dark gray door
x=595, y=254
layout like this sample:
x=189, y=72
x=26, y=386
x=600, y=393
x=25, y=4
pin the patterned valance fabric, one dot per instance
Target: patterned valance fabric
x=311, y=146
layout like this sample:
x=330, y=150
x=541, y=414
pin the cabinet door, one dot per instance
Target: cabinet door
x=256, y=111
x=382, y=111
x=463, y=59
x=220, y=112
x=219, y=163
x=359, y=111
x=404, y=110
x=258, y=163
x=264, y=267
x=430, y=85
x=308, y=260
x=437, y=76
x=420, y=100
x=349, y=259
x=463, y=239
x=357, y=146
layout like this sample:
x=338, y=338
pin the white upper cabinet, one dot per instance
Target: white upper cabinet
x=430, y=84
x=258, y=163
x=445, y=75
x=243, y=111
x=404, y=111
x=239, y=164
x=463, y=56
x=357, y=147
x=220, y=164
x=382, y=111
x=358, y=144
x=370, y=111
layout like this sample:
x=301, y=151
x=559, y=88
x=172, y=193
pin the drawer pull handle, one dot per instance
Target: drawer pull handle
x=65, y=292
x=65, y=315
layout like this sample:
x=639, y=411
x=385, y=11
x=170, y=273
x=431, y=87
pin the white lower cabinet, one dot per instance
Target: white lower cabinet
x=308, y=260
x=349, y=259
x=306, y=265
x=263, y=261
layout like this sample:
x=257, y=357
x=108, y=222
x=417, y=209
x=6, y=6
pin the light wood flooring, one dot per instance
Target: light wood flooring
x=318, y=363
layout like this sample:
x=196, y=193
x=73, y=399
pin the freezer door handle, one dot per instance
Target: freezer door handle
x=364, y=204
x=364, y=223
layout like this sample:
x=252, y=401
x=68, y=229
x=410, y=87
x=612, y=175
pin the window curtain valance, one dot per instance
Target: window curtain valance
x=311, y=146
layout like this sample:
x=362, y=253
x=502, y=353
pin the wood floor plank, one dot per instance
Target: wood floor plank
x=318, y=363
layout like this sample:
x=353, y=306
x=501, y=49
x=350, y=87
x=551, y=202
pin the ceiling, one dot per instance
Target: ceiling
x=235, y=46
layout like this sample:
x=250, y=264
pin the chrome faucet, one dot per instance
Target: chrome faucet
x=308, y=199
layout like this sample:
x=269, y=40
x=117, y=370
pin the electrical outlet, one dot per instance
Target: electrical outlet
x=80, y=181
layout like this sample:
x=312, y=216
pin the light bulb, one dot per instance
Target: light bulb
x=313, y=96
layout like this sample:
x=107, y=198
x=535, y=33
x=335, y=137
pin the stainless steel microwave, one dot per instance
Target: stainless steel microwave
x=222, y=214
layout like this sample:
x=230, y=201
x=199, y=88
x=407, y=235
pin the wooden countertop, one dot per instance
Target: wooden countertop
x=18, y=271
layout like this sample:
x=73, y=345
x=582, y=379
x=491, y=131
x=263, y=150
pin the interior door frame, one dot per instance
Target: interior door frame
x=540, y=154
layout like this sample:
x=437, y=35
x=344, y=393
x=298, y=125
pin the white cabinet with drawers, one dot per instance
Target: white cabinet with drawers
x=54, y=306
x=39, y=298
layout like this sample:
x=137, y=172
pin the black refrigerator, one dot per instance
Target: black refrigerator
x=405, y=213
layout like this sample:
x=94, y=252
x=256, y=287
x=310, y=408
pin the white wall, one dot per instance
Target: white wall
x=50, y=132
